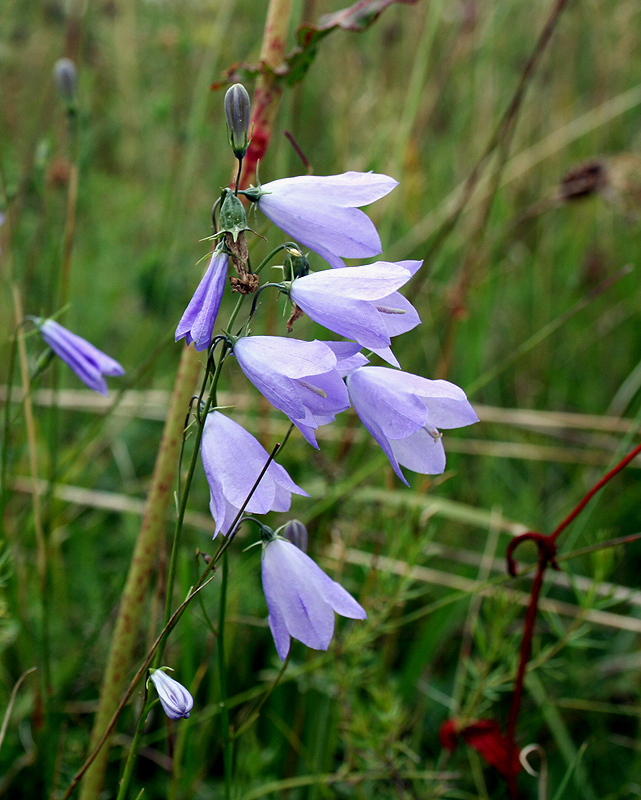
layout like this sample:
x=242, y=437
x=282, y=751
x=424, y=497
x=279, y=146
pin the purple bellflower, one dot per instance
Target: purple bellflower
x=301, y=598
x=89, y=363
x=403, y=412
x=321, y=212
x=360, y=303
x=233, y=459
x=197, y=323
x=299, y=378
x=174, y=698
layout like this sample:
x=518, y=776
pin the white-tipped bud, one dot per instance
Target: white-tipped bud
x=296, y=533
x=174, y=698
x=238, y=113
x=66, y=76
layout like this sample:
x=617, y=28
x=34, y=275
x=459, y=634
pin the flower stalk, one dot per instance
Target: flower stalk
x=143, y=559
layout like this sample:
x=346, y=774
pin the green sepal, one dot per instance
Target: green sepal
x=232, y=217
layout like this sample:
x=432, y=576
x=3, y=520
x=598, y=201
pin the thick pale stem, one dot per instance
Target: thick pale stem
x=268, y=89
x=132, y=605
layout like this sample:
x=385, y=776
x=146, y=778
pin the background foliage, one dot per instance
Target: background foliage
x=551, y=355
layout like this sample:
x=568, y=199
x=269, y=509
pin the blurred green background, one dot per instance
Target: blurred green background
x=525, y=304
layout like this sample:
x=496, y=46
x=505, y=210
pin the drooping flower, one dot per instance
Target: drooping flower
x=197, y=323
x=89, y=363
x=301, y=598
x=174, y=698
x=360, y=303
x=403, y=412
x=321, y=212
x=233, y=460
x=299, y=378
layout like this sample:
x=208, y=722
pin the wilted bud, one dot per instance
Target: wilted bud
x=233, y=218
x=174, y=698
x=296, y=265
x=238, y=112
x=296, y=533
x=66, y=76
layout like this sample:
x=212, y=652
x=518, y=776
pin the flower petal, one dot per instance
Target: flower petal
x=89, y=363
x=197, y=323
x=376, y=393
x=233, y=460
x=290, y=588
x=347, y=189
x=369, y=282
x=420, y=453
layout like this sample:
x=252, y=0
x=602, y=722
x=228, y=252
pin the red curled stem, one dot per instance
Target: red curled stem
x=546, y=544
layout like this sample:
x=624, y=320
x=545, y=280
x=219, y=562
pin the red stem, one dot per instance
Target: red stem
x=579, y=508
x=547, y=552
x=526, y=649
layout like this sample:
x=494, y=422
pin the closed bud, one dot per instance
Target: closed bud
x=174, y=698
x=296, y=265
x=66, y=77
x=295, y=532
x=238, y=113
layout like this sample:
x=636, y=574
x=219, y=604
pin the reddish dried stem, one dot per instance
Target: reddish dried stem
x=576, y=511
x=546, y=545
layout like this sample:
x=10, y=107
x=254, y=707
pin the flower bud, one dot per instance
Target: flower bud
x=238, y=112
x=296, y=533
x=296, y=265
x=174, y=698
x=66, y=77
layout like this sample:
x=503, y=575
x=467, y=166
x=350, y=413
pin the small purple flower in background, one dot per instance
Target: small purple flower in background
x=321, y=212
x=301, y=598
x=174, y=698
x=403, y=412
x=197, y=323
x=233, y=459
x=360, y=303
x=89, y=363
x=299, y=378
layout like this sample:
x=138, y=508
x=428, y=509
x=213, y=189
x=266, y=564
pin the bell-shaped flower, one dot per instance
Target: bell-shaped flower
x=301, y=598
x=299, y=378
x=174, y=698
x=197, y=323
x=233, y=460
x=404, y=412
x=360, y=303
x=89, y=363
x=322, y=212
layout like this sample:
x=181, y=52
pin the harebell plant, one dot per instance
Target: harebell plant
x=311, y=382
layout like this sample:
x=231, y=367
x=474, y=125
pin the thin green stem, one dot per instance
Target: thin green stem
x=228, y=747
x=204, y=579
x=135, y=744
x=274, y=252
x=211, y=401
x=5, y=433
x=162, y=636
